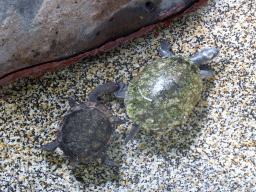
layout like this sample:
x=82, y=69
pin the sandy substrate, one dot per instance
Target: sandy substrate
x=213, y=151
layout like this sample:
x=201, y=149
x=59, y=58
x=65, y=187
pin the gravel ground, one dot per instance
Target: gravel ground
x=213, y=151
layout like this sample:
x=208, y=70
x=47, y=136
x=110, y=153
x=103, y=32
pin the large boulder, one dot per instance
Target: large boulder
x=41, y=35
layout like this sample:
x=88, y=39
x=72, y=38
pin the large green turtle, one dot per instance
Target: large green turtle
x=166, y=91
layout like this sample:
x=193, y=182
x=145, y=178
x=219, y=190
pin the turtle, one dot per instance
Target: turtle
x=166, y=91
x=87, y=129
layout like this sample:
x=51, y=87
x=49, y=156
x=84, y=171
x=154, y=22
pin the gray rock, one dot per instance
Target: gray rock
x=37, y=32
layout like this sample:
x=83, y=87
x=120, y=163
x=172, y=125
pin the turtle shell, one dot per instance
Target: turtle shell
x=86, y=132
x=164, y=93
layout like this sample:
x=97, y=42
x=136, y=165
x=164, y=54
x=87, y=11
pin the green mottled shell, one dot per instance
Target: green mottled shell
x=164, y=93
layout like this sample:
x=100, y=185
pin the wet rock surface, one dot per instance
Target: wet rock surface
x=44, y=33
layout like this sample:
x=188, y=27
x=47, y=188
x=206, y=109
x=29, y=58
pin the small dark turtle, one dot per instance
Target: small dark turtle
x=87, y=130
x=166, y=91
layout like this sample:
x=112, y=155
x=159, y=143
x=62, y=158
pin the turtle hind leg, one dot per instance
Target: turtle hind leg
x=204, y=56
x=109, y=162
x=103, y=89
x=51, y=146
x=206, y=71
x=134, y=130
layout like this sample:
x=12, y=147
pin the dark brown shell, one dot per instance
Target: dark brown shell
x=86, y=132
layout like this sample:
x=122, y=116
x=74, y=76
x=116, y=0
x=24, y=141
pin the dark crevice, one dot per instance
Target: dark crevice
x=110, y=20
x=150, y=6
x=98, y=33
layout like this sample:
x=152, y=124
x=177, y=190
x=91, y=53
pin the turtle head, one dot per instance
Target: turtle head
x=165, y=49
x=210, y=53
x=204, y=56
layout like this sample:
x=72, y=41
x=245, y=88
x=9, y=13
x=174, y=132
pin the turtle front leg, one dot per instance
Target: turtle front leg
x=120, y=93
x=204, y=56
x=103, y=89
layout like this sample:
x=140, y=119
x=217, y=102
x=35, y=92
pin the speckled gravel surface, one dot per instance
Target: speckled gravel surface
x=213, y=151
